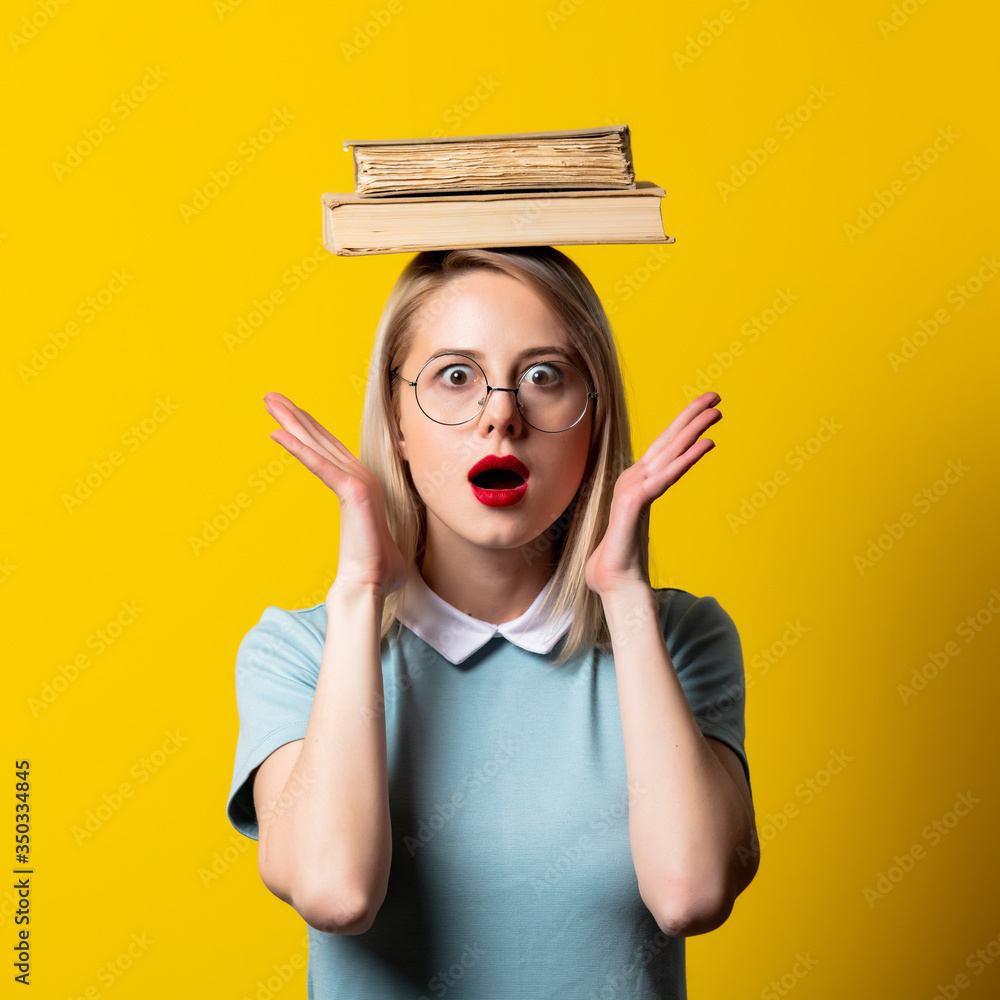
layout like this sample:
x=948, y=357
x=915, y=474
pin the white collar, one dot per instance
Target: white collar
x=456, y=636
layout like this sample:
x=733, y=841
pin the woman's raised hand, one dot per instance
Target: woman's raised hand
x=615, y=563
x=369, y=556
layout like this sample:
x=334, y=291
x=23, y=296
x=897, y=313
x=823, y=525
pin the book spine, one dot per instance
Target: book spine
x=329, y=241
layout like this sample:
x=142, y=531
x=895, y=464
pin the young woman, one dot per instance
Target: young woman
x=496, y=762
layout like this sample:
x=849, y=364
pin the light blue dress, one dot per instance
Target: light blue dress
x=512, y=874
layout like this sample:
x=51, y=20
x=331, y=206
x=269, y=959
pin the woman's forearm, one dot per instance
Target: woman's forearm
x=687, y=818
x=329, y=840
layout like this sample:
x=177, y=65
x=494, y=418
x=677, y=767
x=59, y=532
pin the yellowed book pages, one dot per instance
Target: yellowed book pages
x=599, y=158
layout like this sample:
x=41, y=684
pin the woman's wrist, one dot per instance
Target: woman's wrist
x=623, y=591
x=628, y=602
x=347, y=593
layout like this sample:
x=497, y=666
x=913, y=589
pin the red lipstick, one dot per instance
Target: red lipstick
x=502, y=480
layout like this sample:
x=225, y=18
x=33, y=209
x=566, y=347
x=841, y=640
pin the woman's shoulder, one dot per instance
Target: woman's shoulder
x=284, y=641
x=677, y=600
x=288, y=642
x=293, y=622
x=685, y=611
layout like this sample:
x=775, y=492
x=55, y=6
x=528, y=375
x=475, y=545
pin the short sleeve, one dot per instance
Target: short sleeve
x=277, y=667
x=705, y=649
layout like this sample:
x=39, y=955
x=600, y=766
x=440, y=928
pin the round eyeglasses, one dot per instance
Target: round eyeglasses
x=551, y=396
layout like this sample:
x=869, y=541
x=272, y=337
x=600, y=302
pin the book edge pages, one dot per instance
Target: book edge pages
x=502, y=243
x=494, y=137
x=641, y=189
x=627, y=153
x=506, y=188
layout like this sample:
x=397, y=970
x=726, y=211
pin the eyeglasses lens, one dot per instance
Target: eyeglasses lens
x=552, y=395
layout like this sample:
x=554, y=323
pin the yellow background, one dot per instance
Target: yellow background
x=219, y=75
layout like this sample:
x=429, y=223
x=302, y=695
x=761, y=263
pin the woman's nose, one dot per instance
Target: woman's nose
x=501, y=410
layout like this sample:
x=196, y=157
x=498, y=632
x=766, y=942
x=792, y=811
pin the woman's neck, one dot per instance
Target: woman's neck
x=494, y=586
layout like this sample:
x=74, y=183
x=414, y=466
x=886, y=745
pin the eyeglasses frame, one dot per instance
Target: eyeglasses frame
x=493, y=388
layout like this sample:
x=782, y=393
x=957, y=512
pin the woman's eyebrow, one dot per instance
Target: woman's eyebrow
x=531, y=352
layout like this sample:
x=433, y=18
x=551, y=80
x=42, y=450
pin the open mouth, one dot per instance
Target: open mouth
x=498, y=479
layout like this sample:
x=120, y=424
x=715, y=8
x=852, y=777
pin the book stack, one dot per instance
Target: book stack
x=575, y=186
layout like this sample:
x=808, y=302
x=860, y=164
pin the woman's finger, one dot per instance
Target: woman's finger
x=650, y=481
x=682, y=432
x=329, y=471
x=289, y=416
x=331, y=441
x=666, y=473
x=680, y=465
x=692, y=432
x=317, y=433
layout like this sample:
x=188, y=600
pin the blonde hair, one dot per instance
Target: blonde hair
x=576, y=533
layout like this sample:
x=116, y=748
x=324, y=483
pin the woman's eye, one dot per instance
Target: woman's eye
x=543, y=375
x=456, y=374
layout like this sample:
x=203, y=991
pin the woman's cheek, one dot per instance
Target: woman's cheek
x=438, y=478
